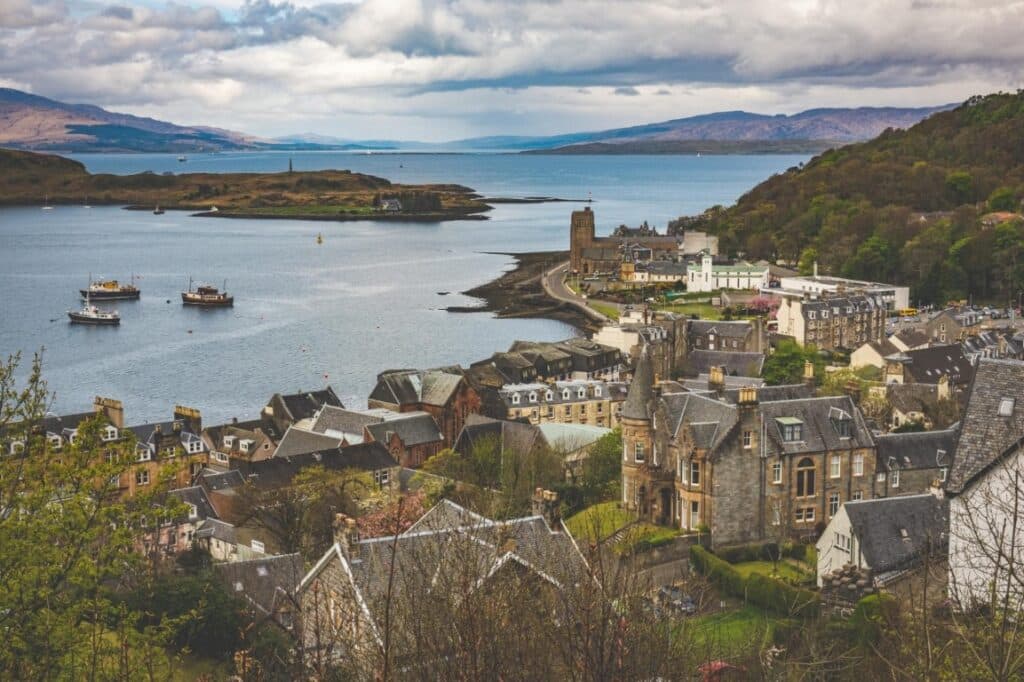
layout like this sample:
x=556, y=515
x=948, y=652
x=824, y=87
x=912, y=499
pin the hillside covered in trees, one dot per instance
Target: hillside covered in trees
x=931, y=207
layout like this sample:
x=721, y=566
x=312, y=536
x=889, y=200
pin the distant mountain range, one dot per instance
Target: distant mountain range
x=32, y=122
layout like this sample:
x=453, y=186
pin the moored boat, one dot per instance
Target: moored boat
x=158, y=211
x=91, y=315
x=111, y=290
x=207, y=296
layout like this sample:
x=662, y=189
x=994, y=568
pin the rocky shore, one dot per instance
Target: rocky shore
x=518, y=292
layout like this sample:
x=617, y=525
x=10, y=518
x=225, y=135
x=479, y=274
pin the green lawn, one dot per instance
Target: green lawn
x=609, y=310
x=730, y=633
x=644, y=536
x=598, y=522
x=786, y=571
x=704, y=311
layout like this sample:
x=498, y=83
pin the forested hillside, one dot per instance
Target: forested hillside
x=911, y=207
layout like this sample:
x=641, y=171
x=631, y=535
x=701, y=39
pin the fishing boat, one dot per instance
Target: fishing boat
x=207, y=296
x=158, y=211
x=111, y=290
x=91, y=315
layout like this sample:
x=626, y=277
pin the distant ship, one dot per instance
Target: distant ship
x=158, y=211
x=111, y=290
x=46, y=204
x=182, y=159
x=207, y=296
x=319, y=237
x=91, y=315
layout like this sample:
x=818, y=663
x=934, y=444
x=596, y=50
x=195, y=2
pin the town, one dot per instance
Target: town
x=741, y=448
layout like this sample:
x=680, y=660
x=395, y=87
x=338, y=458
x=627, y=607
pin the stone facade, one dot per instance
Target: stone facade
x=846, y=322
x=589, y=254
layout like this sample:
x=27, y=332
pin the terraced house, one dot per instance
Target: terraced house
x=846, y=322
x=595, y=403
x=746, y=466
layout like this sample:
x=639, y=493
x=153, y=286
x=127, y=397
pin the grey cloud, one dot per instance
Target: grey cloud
x=119, y=12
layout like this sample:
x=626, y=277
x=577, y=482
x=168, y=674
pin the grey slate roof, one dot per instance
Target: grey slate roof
x=732, y=329
x=641, y=390
x=410, y=386
x=731, y=381
x=220, y=480
x=912, y=397
x=819, y=433
x=279, y=471
x=739, y=363
x=300, y=442
x=66, y=422
x=343, y=421
x=912, y=338
x=767, y=394
x=894, y=532
x=924, y=450
x=984, y=435
x=928, y=365
x=304, y=405
x=413, y=428
x=264, y=581
x=708, y=419
x=510, y=436
x=195, y=495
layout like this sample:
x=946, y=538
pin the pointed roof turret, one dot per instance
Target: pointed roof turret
x=641, y=390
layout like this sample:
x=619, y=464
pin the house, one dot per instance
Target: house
x=660, y=272
x=592, y=402
x=249, y=440
x=738, y=336
x=590, y=360
x=910, y=339
x=887, y=539
x=872, y=354
x=913, y=463
x=294, y=408
x=176, y=442
x=360, y=586
x=174, y=536
x=952, y=325
x=748, y=470
x=590, y=254
x=734, y=363
x=266, y=585
x=706, y=276
x=892, y=296
x=985, y=492
x=444, y=393
x=833, y=322
x=411, y=437
x=930, y=366
x=1001, y=344
x=915, y=402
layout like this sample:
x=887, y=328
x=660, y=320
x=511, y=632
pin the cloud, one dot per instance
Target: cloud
x=274, y=62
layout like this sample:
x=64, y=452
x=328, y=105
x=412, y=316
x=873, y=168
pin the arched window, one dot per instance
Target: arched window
x=805, y=478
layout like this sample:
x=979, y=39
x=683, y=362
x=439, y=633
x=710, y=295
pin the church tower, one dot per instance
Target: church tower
x=638, y=437
x=581, y=236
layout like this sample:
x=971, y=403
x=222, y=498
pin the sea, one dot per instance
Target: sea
x=371, y=297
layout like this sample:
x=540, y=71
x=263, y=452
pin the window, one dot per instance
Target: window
x=110, y=433
x=193, y=511
x=805, y=515
x=792, y=429
x=220, y=456
x=55, y=442
x=858, y=495
x=748, y=439
x=17, y=447
x=694, y=473
x=549, y=396
x=583, y=408
x=381, y=477
x=581, y=394
x=833, y=504
x=776, y=514
x=805, y=478
x=600, y=408
x=258, y=547
x=842, y=542
x=515, y=398
x=142, y=477
x=842, y=427
x=694, y=514
x=568, y=410
x=894, y=478
x=638, y=451
x=943, y=472
x=1006, y=407
x=880, y=477
x=835, y=466
x=858, y=464
x=565, y=394
x=777, y=472
x=533, y=396
x=551, y=411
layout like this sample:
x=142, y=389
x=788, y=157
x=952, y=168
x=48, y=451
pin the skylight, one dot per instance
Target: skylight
x=1006, y=407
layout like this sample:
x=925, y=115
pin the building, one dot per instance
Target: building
x=266, y=585
x=841, y=322
x=952, y=325
x=658, y=272
x=590, y=360
x=706, y=276
x=746, y=336
x=411, y=437
x=985, y=490
x=913, y=463
x=886, y=539
x=592, y=402
x=589, y=254
x=910, y=339
x=1004, y=344
x=892, y=296
x=443, y=393
x=360, y=586
x=912, y=403
x=734, y=363
x=294, y=408
x=240, y=440
x=872, y=354
x=930, y=366
x=176, y=443
x=747, y=470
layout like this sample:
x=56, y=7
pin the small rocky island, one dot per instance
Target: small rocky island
x=335, y=195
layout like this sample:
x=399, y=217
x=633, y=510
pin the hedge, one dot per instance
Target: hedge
x=768, y=551
x=758, y=589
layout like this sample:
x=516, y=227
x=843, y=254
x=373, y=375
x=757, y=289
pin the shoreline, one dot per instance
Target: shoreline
x=518, y=292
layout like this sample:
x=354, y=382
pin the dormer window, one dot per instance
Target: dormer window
x=17, y=447
x=792, y=429
x=549, y=396
x=110, y=433
x=56, y=442
x=811, y=315
x=193, y=512
x=229, y=442
x=533, y=396
x=597, y=391
x=565, y=394
x=824, y=314
x=144, y=453
x=582, y=393
x=515, y=398
x=842, y=426
x=258, y=547
x=1006, y=407
x=245, y=445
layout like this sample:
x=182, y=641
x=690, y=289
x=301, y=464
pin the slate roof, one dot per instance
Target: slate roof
x=195, y=495
x=894, y=532
x=766, y=394
x=413, y=428
x=220, y=480
x=984, y=434
x=912, y=397
x=569, y=437
x=300, y=442
x=884, y=348
x=928, y=365
x=738, y=363
x=924, y=450
x=912, y=338
x=217, y=529
x=819, y=432
x=641, y=390
x=60, y=424
x=264, y=581
x=733, y=329
x=336, y=420
x=279, y=471
x=304, y=405
x=708, y=419
x=410, y=386
x=510, y=436
x=731, y=381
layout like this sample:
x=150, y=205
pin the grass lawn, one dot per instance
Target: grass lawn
x=730, y=633
x=786, y=571
x=645, y=536
x=704, y=311
x=598, y=521
x=609, y=310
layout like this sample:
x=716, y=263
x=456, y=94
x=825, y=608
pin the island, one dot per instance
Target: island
x=28, y=178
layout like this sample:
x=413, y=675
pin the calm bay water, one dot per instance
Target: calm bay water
x=306, y=315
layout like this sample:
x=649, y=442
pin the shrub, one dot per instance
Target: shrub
x=719, y=572
x=780, y=597
x=755, y=552
x=871, y=614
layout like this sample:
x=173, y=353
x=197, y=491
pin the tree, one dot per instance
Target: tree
x=1002, y=199
x=786, y=364
x=602, y=469
x=808, y=257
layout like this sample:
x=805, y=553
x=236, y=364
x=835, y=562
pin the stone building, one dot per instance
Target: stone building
x=745, y=336
x=748, y=470
x=444, y=393
x=913, y=463
x=596, y=403
x=589, y=254
x=840, y=322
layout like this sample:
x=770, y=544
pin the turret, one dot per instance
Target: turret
x=637, y=433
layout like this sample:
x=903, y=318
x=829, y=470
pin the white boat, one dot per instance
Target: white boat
x=46, y=204
x=182, y=159
x=91, y=315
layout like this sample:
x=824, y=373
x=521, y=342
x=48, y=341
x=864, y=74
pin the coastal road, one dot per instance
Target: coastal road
x=554, y=285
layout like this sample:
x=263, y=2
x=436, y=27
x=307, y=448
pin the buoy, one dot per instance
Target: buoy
x=189, y=331
x=168, y=300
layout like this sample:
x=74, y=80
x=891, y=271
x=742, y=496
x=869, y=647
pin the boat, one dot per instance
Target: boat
x=111, y=290
x=91, y=315
x=46, y=204
x=207, y=296
x=182, y=159
x=319, y=237
x=158, y=211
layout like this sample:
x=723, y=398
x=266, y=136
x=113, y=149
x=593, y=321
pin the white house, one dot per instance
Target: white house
x=710, y=277
x=986, y=489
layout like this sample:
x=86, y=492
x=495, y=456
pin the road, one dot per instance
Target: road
x=554, y=285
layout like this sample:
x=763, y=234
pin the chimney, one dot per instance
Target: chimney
x=545, y=503
x=716, y=379
x=111, y=409
x=347, y=536
x=190, y=416
x=748, y=396
x=809, y=373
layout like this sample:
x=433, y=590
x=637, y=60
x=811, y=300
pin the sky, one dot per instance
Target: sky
x=437, y=70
